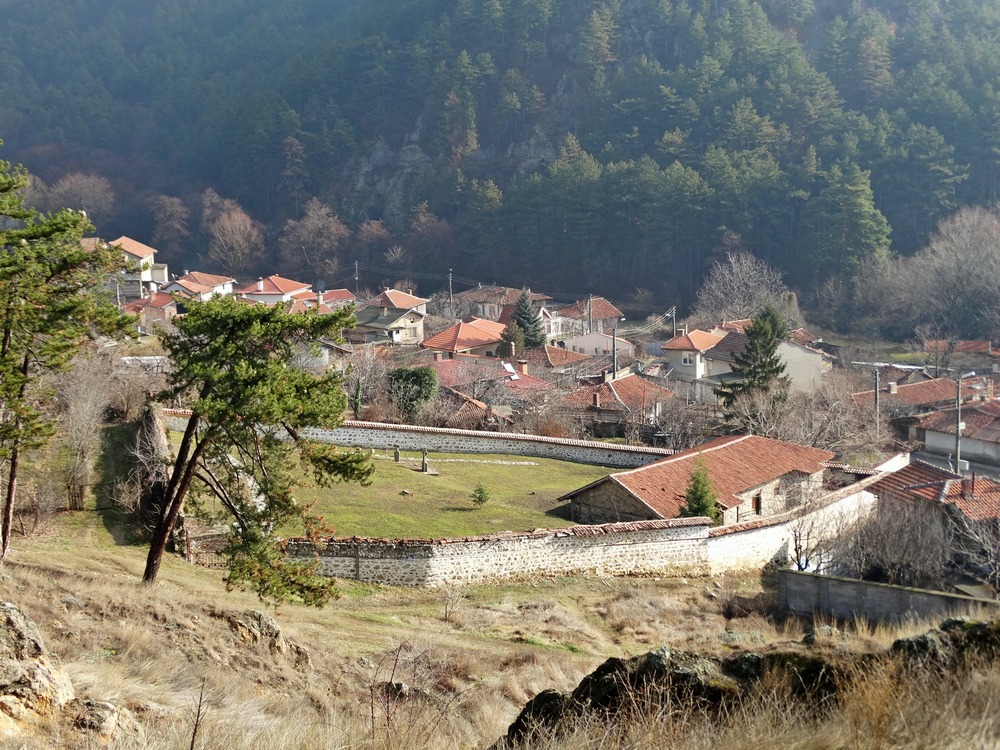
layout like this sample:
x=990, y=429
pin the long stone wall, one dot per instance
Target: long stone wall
x=386, y=437
x=845, y=598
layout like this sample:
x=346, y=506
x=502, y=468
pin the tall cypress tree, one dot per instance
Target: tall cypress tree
x=528, y=318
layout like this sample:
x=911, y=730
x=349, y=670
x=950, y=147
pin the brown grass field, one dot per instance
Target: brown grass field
x=471, y=657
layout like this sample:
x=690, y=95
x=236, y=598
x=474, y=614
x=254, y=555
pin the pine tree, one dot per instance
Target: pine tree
x=699, y=497
x=758, y=367
x=529, y=320
x=512, y=343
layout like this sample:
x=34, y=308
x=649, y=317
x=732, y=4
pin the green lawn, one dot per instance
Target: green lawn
x=521, y=496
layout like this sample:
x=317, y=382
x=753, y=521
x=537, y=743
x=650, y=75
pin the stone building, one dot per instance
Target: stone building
x=752, y=476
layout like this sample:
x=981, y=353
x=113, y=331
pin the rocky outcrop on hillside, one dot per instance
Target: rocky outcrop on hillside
x=714, y=684
x=30, y=682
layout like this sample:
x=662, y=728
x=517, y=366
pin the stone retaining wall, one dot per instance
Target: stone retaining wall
x=846, y=598
x=386, y=437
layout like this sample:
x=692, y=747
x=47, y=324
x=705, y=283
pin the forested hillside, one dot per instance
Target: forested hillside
x=577, y=145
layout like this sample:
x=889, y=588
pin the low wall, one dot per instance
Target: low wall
x=771, y=540
x=846, y=598
x=386, y=437
x=674, y=547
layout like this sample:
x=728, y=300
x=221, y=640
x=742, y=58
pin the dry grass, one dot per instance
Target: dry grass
x=470, y=658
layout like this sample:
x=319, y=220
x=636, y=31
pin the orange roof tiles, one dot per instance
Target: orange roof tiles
x=739, y=326
x=927, y=392
x=735, y=465
x=695, y=341
x=190, y=287
x=498, y=295
x=557, y=356
x=977, y=498
x=596, y=307
x=982, y=421
x=206, y=279
x=396, y=298
x=273, y=284
x=336, y=295
x=158, y=300
x=632, y=392
x=466, y=334
x=960, y=347
x=135, y=248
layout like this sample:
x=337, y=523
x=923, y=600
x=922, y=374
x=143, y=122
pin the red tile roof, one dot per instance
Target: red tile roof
x=735, y=465
x=189, y=287
x=273, y=284
x=960, y=347
x=336, y=295
x=596, y=307
x=695, y=341
x=159, y=300
x=557, y=356
x=632, y=391
x=498, y=295
x=802, y=337
x=982, y=421
x=135, y=248
x=396, y=298
x=740, y=325
x=206, y=279
x=454, y=373
x=977, y=498
x=926, y=393
x=466, y=334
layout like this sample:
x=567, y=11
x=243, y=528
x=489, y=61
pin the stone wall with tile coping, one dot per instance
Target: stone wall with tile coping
x=386, y=437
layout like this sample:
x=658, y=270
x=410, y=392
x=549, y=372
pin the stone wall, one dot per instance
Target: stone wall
x=845, y=598
x=386, y=437
x=674, y=547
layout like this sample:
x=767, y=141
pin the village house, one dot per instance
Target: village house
x=506, y=387
x=592, y=315
x=395, y=298
x=686, y=354
x=752, y=477
x=154, y=311
x=559, y=365
x=200, y=286
x=394, y=325
x=145, y=275
x=925, y=395
x=471, y=336
x=274, y=289
x=980, y=431
x=600, y=344
x=488, y=302
x=605, y=409
x=335, y=298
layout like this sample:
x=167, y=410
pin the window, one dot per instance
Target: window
x=758, y=504
x=687, y=358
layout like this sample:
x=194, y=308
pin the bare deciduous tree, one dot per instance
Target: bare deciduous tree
x=236, y=241
x=83, y=398
x=311, y=244
x=170, y=232
x=740, y=287
x=87, y=192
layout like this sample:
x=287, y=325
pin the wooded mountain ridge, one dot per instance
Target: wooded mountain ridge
x=614, y=146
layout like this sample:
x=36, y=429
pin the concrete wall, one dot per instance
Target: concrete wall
x=972, y=449
x=808, y=593
x=804, y=367
x=386, y=437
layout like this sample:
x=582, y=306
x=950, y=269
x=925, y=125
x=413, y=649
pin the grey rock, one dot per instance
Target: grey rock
x=29, y=680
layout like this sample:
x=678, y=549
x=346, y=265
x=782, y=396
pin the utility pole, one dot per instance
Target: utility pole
x=590, y=313
x=451, y=297
x=614, y=351
x=355, y=278
x=878, y=413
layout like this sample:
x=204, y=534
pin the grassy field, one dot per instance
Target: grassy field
x=402, y=502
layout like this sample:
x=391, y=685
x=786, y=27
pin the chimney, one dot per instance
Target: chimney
x=153, y=287
x=597, y=400
x=260, y=283
x=437, y=356
x=893, y=388
x=522, y=366
x=186, y=272
x=969, y=488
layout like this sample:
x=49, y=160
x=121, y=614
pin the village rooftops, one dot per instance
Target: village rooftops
x=134, y=248
x=925, y=393
x=466, y=334
x=630, y=393
x=597, y=308
x=396, y=298
x=982, y=421
x=978, y=498
x=498, y=295
x=273, y=285
x=205, y=279
x=694, y=341
x=156, y=300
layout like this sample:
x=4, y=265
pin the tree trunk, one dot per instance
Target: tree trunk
x=8, y=506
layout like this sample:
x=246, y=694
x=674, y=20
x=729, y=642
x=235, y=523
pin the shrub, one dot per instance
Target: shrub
x=480, y=495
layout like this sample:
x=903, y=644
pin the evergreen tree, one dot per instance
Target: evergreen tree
x=412, y=387
x=512, y=343
x=758, y=367
x=529, y=320
x=699, y=497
